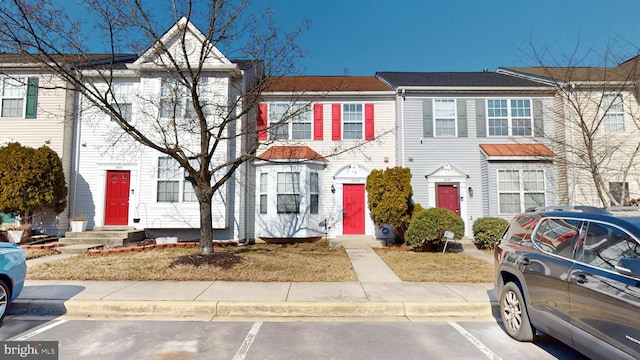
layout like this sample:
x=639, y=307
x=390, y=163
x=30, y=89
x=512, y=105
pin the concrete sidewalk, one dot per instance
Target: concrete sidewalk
x=379, y=293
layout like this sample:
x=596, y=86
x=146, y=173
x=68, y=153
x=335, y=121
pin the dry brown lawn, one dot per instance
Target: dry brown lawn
x=36, y=253
x=436, y=267
x=261, y=262
x=315, y=262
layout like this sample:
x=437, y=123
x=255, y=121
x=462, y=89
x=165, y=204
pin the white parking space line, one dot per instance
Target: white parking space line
x=248, y=340
x=40, y=330
x=485, y=350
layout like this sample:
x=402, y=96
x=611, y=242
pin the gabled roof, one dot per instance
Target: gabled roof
x=298, y=152
x=77, y=60
x=516, y=150
x=453, y=79
x=626, y=71
x=327, y=84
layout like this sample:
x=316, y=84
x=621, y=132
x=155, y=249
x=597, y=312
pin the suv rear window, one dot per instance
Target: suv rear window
x=558, y=236
x=521, y=228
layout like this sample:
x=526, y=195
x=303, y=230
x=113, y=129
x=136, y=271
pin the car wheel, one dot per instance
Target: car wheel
x=513, y=312
x=5, y=297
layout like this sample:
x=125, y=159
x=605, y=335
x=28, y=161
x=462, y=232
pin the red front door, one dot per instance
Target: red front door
x=449, y=197
x=117, y=201
x=353, y=208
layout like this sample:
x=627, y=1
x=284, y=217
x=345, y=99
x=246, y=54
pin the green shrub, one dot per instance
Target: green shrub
x=427, y=228
x=486, y=231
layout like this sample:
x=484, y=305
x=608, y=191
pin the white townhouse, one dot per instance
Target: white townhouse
x=597, y=106
x=118, y=182
x=320, y=138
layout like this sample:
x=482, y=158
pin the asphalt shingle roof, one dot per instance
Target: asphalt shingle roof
x=454, y=79
x=327, y=83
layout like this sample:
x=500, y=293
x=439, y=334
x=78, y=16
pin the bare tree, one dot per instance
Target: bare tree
x=597, y=121
x=193, y=132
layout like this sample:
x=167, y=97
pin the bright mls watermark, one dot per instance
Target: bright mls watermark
x=31, y=350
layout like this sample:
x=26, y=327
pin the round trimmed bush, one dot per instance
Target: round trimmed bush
x=486, y=231
x=427, y=228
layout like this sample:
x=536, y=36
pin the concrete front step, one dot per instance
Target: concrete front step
x=77, y=248
x=356, y=242
x=109, y=238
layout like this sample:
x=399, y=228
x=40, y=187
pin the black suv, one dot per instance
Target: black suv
x=573, y=273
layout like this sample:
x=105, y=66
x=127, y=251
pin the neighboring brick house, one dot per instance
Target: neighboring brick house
x=599, y=117
x=119, y=182
x=476, y=143
x=37, y=109
x=321, y=137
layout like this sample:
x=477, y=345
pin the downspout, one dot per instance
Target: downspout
x=76, y=155
x=401, y=99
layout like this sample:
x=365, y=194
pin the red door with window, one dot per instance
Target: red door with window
x=353, y=208
x=117, y=198
x=448, y=197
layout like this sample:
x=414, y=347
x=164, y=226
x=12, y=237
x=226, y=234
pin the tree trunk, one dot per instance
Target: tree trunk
x=206, y=225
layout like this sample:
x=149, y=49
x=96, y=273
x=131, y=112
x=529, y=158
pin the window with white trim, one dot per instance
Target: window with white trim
x=314, y=193
x=168, y=180
x=509, y=117
x=519, y=190
x=13, y=95
x=123, y=99
x=444, y=115
x=172, y=183
x=264, y=183
x=176, y=100
x=352, y=121
x=288, y=121
x=288, y=189
x=613, y=109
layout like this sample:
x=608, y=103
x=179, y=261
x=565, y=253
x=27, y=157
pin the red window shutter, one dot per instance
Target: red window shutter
x=369, y=130
x=336, y=121
x=317, y=121
x=262, y=122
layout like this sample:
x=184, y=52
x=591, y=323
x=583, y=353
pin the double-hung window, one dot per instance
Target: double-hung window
x=171, y=99
x=278, y=125
x=301, y=122
x=613, y=109
x=509, y=117
x=352, y=121
x=123, y=99
x=314, y=193
x=444, y=112
x=288, y=121
x=519, y=190
x=172, y=182
x=13, y=94
x=288, y=189
x=168, y=180
x=264, y=183
x=176, y=100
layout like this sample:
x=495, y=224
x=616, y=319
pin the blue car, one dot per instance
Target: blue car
x=13, y=270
